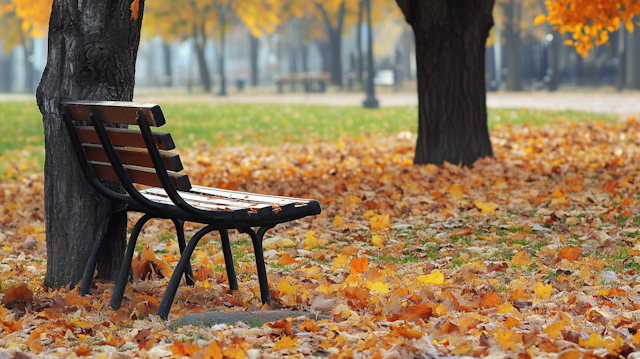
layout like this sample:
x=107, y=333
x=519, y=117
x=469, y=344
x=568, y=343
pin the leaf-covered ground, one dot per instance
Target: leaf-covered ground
x=532, y=253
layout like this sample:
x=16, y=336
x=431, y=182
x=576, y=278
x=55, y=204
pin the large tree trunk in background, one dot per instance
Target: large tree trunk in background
x=199, y=41
x=5, y=71
x=554, y=62
x=323, y=47
x=223, y=79
x=253, y=58
x=633, y=59
x=334, y=35
x=450, y=40
x=91, y=56
x=514, y=45
x=167, y=81
x=622, y=59
x=360, y=64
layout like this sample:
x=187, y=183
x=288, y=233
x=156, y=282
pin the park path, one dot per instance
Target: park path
x=624, y=104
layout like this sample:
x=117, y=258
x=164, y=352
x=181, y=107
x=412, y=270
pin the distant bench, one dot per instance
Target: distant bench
x=142, y=156
x=311, y=81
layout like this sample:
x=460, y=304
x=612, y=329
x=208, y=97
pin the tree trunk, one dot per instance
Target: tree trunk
x=223, y=79
x=633, y=57
x=514, y=46
x=622, y=59
x=450, y=40
x=335, y=43
x=360, y=65
x=5, y=71
x=199, y=42
x=554, y=62
x=167, y=81
x=91, y=56
x=253, y=50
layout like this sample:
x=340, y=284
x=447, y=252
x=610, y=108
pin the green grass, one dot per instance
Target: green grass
x=21, y=133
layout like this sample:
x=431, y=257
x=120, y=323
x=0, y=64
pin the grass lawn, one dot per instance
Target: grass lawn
x=232, y=124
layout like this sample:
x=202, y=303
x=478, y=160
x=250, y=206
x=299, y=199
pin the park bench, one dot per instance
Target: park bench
x=311, y=81
x=143, y=157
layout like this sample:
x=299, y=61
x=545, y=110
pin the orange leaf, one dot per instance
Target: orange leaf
x=234, y=353
x=553, y=330
x=18, y=294
x=414, y=312
x=284, y=324
x=213, y=351
x=569, y=253
x=285, y=343
x=338, y=222
x=286, y=260
x=135, y=8
x=359, y=265
x=490, y=300
x=309, y=326
x=521, y=258
x=511, y=322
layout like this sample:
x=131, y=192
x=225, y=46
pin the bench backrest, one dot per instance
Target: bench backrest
x=129, y=145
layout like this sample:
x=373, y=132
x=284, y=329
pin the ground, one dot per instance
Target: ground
x=532, y=253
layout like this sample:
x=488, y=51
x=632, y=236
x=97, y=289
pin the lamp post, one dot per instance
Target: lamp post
x=371, y=101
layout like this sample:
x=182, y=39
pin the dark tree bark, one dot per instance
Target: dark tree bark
x=200, y=40
x=335, y=42
x=450, y=38
x=253, y=55
x=514, y=45
x=91, y=56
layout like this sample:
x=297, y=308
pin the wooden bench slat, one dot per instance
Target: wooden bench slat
x=141, y=175
x=200, y=205
x=133, y=156
x=197, y=197
x=125, y=137
x=246, y=196
x=116, y=112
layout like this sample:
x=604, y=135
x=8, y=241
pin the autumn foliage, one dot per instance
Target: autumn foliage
x=589, y=21
x=534, y=252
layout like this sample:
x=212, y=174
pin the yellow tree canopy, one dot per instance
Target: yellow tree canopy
x=590, y=21
x=21, y=19
x=178, y=18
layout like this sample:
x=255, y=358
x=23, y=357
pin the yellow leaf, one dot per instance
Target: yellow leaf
x=629, y=26
x=337, y=221
x=508, y=340
x=312, y=242
x=340, y=262
x=285, y=288
x=636, y=338
x=488, y=207
x=594, y=341
x=521, y=258
x=379, y=222
x=378, y=241
x=543, y=291
x=539, y=19
x=377, y=287
x=368, y=214
x=433, y=278
x=568, y=42
x=505, y=308
x=553, y=330
x=285, y=343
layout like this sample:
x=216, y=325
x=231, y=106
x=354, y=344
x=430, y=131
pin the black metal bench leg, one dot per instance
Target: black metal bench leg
x=123, y=276
x=228, y=259
x=87, y=277
x=188, y=274
x=174, y=282
x=256, y=238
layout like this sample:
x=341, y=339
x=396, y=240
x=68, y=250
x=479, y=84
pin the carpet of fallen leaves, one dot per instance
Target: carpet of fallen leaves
x=532, y=253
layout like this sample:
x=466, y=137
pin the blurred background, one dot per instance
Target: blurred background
x=230, y=47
